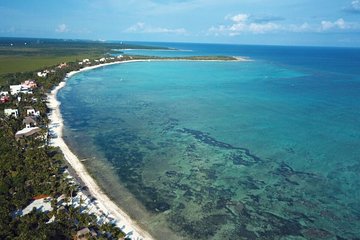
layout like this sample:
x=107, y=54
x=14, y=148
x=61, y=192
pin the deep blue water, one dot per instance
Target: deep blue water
x=318, y=58
x=265, y=149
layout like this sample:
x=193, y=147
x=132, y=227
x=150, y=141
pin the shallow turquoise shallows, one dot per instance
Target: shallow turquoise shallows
x=264, y=149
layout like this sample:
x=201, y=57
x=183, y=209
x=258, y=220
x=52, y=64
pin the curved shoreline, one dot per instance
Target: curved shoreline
x=106, y=205
x=122, y=220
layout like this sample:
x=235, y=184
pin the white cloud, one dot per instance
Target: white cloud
x=136, y=27
x=338, y=24
x=304, y=27
x=245, y=23
x=141, y=27
x=240, y=17
x=355, y=5
x=325, y=26
x=242, y=23
x=263, y=27
x=62, y=28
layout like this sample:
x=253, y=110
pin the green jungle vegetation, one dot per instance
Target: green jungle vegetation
x=30, y=54
x=29, y=166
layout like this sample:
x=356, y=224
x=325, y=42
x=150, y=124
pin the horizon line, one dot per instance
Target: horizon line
x=181, y=42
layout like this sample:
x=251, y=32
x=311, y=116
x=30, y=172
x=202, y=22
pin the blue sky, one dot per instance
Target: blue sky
x=275, y=22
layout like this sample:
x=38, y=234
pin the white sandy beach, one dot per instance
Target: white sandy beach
x=123, y=221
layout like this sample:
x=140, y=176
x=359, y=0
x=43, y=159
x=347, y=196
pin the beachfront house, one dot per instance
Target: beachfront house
x=29, y=122
x=85, y=233
x=4, y=93
x=26, y=132
x=102, y=59
x=25, y=87
x=43, y=73
x=29, y=84
x=62, y=65
x=85, y=61
x=30, y=111
x=11, y=112
x=15, y=89
x=41, y=203
x=40, y=74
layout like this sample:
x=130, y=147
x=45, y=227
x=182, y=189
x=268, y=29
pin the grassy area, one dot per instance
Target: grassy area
x=29, y=54
x=12, y=64
x=35, y=55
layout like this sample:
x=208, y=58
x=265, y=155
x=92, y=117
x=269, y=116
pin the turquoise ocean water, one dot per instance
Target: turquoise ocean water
x=265, y=149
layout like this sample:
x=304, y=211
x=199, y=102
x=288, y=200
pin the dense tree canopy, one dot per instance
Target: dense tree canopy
x=30, y=167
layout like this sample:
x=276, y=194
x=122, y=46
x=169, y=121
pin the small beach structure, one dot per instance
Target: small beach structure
x=62, y=65
x=43, y=73
x=29, y=122
x=30, y=111
x=85, y=61
x=26, y=132
x=11, y=112
x=85, y=233
x=41, y=203
x=29, y=84
x=4, y=93
x=15, y=89
x=25, y=87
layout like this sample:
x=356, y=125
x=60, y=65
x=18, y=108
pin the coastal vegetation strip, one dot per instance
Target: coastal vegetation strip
x=38, y=198
x=26, y=55
x=29, y=54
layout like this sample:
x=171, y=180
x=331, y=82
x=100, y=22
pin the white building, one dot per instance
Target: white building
x=42, y=74
x=31, y=112
x=11, y=112
x=4, y=93
x=29, y=122
x=42, y=204
x=26, y=132
x=15, y=89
